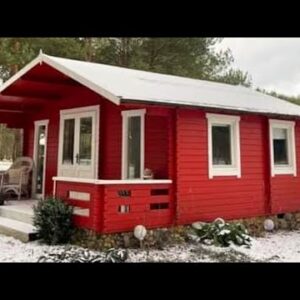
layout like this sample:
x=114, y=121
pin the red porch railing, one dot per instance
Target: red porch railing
x=115, y=206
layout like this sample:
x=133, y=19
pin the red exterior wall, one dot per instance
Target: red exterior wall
x=156, y=138
x=106, y=200
x=95, y=206
x=176, y=147
x=201, y=198
x=82, y=97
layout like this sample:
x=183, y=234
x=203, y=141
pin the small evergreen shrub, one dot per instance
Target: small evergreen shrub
x=53, y=220
x=222, y=234
x=116, y=255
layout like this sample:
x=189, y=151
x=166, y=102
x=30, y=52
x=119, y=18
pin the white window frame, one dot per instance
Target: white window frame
x=291, y=168
x=64, y=114
x=125, y=115
x=225, y=170
x=37, y=124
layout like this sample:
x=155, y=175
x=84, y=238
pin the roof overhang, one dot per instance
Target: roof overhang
x=42, y=58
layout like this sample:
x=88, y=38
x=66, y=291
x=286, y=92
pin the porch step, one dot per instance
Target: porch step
x=19, y=213
x=22, y=231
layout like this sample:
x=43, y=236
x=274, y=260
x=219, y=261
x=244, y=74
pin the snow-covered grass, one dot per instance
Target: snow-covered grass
x=275, y=247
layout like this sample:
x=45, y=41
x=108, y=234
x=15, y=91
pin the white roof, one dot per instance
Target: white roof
x=117, y=84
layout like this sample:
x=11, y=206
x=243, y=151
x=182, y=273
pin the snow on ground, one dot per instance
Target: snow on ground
x=4, y=165
x=282, y=246
x=275, y=247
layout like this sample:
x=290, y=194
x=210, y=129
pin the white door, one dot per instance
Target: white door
x=40, y=153
x=78, y=146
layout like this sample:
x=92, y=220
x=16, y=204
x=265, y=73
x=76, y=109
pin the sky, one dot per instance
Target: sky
x=273, y=63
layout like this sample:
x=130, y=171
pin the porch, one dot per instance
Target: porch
x=94, y=153
x=16, y=219
x=109, y=206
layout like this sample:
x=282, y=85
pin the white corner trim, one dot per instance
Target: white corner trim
x=292, y=167
x=234, y=123
x=107, y=182
x=125, y=115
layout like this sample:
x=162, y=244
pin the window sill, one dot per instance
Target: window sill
x=215, y=172
x=284, y=171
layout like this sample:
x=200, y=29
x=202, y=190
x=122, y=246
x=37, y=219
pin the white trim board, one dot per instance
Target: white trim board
x=125, y=115
x=117, y=181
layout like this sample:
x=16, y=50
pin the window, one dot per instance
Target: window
x=223, y=145
x=133, y=144
x=68, y=146
x=282, y=144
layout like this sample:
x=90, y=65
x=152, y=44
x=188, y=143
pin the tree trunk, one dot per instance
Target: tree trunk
x=88, y=49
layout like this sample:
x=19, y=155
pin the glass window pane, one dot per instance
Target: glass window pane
x=221, y=145
x=40, y=158
x=280, y=146
x=85, y=141
x=134, y=147
x=68, y=144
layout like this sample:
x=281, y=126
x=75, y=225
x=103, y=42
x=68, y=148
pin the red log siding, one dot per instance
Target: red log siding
x=83, y=97
x=139, y=203
x=201, y=198
x=111, y=141
x=104, y=205
x=110, y=146
x=12, y=120
x=285, y=189
x=156, y=145
x=96, y=211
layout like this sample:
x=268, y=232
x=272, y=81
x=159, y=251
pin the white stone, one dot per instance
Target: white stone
x=140, y=232
x=269, y=225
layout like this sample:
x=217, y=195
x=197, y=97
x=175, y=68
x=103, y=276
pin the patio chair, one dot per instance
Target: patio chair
x=17, y=178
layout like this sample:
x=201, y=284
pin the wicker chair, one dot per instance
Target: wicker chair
x=17, y=178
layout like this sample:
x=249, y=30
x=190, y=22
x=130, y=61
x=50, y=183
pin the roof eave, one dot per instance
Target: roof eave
x=207, y=107
x=46, y=59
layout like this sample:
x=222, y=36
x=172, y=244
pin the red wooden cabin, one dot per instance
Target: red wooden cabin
x=215, y=150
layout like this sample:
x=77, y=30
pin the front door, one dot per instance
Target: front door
x=78, y=146
x=40, y=152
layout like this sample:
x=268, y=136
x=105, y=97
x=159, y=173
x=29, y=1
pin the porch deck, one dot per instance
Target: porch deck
x=16, y=219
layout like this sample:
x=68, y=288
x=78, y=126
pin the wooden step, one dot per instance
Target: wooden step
x=18, y=213
x=22, y=231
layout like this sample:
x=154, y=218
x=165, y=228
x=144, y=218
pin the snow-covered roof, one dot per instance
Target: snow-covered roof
x=119, y=84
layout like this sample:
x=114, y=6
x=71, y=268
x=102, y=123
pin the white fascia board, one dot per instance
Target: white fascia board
x=22, y=72
x=44, y=58
x=99, y=90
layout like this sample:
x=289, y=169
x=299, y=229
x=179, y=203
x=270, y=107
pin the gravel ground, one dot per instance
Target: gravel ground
x=275, y=247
